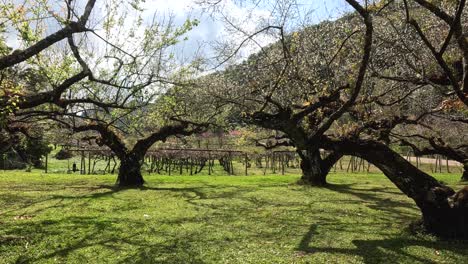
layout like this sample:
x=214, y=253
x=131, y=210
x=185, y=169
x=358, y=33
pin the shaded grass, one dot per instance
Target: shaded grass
x=360, y=218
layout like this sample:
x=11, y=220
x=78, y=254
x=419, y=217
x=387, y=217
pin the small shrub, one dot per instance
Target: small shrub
x=64, y=154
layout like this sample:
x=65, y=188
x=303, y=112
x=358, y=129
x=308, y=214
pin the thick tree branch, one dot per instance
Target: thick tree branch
x=182, y=128
x=367, y=48
x=73, y=27
x=108, y=137
x=51, y=96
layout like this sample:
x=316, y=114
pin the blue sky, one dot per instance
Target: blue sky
x=250, y=18
x=212, y=29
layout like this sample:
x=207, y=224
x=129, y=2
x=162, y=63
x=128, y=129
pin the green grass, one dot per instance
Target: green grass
x=360, y=218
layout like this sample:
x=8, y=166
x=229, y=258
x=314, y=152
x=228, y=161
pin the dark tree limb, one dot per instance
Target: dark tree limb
x=73, y=27
x=367, y=48
x=444, y=211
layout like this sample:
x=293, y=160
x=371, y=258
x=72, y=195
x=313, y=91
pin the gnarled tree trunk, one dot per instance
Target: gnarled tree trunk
x=131, y=160
x=314, y=168
x=311, y=168
x=444, y=212
x=130, y=171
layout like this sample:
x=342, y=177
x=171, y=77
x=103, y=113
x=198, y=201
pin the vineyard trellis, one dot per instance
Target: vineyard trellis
x=193, y=161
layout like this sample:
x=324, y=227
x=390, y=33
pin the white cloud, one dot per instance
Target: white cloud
x=178, y=6
x=246, y=19
x=212, y=26
x=12, y=40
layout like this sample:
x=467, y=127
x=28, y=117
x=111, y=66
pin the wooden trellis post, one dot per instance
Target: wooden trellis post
x=209, y=163
x=89, y=162
x=231, y=169
x=246, y=164
x=349, y=164
x=83, y=163
x=273, y=162
x=440, y=164
x=282, y=164
x=447, y=163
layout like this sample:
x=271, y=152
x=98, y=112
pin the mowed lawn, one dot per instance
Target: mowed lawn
x=360, y=218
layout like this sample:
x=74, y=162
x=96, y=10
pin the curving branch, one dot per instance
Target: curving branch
x=183, y=128
x=367, y=48
x=71, y=28
x=51, y=96
x=456, y=29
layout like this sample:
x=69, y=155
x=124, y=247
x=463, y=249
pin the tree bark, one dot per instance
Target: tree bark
x=444, y=212
x=131, y=160
x=311, y=168
x=130, y=171
x=73, y=27
x=465, y=172
x=314, y=168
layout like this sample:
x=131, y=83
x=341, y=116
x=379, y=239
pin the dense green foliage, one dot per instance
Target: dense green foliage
x=35, y=149
x=28, y=151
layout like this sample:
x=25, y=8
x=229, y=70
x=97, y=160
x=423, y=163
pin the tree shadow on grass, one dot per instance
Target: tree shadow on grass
x=194, y=195
x=173, y=247
x=391, y=250
x=198, y=191
x=50, y=201
x=107, y=233
x=378, y=199
x=185, y=247
x=73, y=235
x=202, y=197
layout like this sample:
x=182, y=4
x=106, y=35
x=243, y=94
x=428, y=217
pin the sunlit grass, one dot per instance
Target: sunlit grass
x=65, y=218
